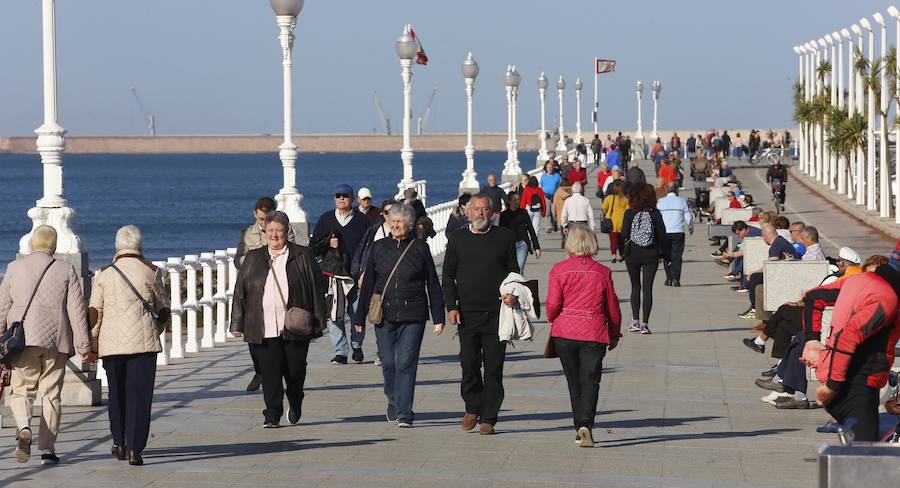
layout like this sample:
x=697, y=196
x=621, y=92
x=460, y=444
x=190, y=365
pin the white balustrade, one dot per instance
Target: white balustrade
x=191, y=264
x=222, y=294
x=207, y=261
x=174, y=266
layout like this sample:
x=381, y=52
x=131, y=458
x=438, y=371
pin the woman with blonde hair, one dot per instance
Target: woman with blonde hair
x=614, y=206
x=583, y=311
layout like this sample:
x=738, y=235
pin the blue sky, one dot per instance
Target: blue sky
x=213, y=66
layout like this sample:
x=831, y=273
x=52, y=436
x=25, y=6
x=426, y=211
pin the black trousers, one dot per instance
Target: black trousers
x=673, y=268
x=857, y=404
x=254, y=359
x=279, y=359
x=480, y=346
x=753, y=281
x=784, y=324
x=582, y=362
x=641, y=272
x=131, y=378
x=791, y=371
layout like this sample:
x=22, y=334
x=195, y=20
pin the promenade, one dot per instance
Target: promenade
x=678, y=408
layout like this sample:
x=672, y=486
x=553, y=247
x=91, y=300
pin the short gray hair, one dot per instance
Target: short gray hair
x=129, y=238
x=405, y=211
x=278, y=217
x=811, y=232
x=577, y=187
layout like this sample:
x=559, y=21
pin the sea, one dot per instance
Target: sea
x=193, y=203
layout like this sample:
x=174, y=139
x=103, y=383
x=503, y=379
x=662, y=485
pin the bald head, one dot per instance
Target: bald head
x=769, y=233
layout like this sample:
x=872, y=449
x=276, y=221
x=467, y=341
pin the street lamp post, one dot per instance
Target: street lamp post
x=811, y=93
x=870, y=129
x=821, y=163
x=511, y=169
x=639, y=91
x=839, y=171
x=884, y=187
x=656, y=87
x=830, y=162
x=288, y=198
x=543, y=83
x=406, y=48
x=892, y=10
x=561, y=148
x=578, y=87
x=845, y=184
x=860, y=102
x=801, y=51
x=469, y=183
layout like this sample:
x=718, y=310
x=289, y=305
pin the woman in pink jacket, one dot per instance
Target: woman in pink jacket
x=585, y=320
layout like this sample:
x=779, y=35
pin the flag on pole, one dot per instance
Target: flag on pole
x=605, y=66
x=421, y=58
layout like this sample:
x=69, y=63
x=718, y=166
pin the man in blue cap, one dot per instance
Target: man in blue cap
x=341, y=229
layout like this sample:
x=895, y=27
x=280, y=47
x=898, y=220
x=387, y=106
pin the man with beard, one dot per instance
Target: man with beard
x=476, y=262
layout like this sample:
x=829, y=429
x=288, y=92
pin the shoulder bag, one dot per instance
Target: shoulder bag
x=375, y=303
x=606, y=224
x=298, y=321
x=12, y=342
x=149, y=308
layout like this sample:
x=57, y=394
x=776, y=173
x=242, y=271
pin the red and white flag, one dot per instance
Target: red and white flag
x=421, y=58
x=605, y=65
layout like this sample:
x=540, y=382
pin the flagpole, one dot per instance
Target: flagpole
x=596, y=103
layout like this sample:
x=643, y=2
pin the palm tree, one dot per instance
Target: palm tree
x=823, y=70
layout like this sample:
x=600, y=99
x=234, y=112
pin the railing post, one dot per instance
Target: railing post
x=173, y=265
x=221, y=297
x=232, y=279
x=207, y=261
x=191, y=263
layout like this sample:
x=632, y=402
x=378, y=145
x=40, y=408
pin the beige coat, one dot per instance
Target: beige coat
x=121, y=325
x=57, y=319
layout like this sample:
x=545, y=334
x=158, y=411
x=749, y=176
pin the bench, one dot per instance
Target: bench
x=718, y=205
x=717, y=192
x=732, y=215
x=786, y=281
x=719, y=230
x=756, y=252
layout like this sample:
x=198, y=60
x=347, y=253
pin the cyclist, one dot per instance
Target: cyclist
x=776, y=177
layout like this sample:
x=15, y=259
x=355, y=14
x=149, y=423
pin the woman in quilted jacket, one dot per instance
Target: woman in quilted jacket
x=585, y=321
x=128, y=311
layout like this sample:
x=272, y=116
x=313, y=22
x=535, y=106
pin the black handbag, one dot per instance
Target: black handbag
x=12, y=342
x=606, y=225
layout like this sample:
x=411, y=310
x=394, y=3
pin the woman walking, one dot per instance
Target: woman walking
x=402, y=271
x=645, y=244
x=128, y=311
x=274, y=279
x=583, y=311
x=534, y=201
x=614, y=205
x=516, y=219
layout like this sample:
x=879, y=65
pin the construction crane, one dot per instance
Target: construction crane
x=151, y=119
x=422, y=123
x=379, y=110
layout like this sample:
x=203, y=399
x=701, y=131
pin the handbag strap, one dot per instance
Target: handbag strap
x=147, y=306
x=396, y=265
x=34, y=292
x=277, y=285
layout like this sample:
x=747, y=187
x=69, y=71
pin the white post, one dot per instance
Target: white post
x=811, y=83
x=655, y=87
x=884, y=175
x=173, y=265
x=843, y=163
x=578, y=87
x=288, y=197
x=639, y=91
x=896, y=15
x=191, y=264
x=542, y=92
x=561, y=148
x=511, y=167
x=827, y=177
x=596, y=112
x=801, y=133
x=469, y=181
x=52, y=209
x=207, y=261
x=860, y=103
x=406, y=48
x=515, y=122
x=221, y=297
x=870, y=130
x=821, y=165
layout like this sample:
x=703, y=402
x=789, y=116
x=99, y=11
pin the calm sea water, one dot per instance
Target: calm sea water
x=187, y=204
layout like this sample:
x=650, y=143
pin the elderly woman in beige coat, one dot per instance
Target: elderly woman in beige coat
x=55, y=328
x=128, y=311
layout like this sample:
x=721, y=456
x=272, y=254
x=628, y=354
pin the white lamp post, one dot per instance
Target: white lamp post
x=884, y=187
x=846, y=162
x=578, y=87
x=543, y=83
x=860, y=102
x=809, y=81
x=656, y=87
x=52, y=209
x=827, y=174
x=288, y=197
x=561, y=148
x=406, y=48
x=800, y=51
x=870, y=131
x=892, y=10
x=639, y=91
x=511, y=80
x=821, y=163
x=469, y=181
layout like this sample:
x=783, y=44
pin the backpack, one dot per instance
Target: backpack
x=536, y=203
x=642, y=229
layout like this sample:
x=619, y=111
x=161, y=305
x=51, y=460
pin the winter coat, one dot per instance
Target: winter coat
x=120, y=324
x=254, y=238
x=528, y=194
x=516, y=323
x=581, y=301
x=57, y=319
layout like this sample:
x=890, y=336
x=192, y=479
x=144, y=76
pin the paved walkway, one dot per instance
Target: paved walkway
x=678, y=409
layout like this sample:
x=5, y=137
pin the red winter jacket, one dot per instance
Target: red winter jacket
x=864, y=330
x=581, y=303
x=528, y=193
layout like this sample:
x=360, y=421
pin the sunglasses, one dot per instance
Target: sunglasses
x=342, y=195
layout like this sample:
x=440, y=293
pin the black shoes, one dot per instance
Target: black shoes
x=357, y=355
x=769, y=385
x=135, y=459
x=676, y=283
x=391, y=414
x=119, y=452
x=790, y=403
x=770, y=372
x=668, y=283
x=754, y=346
x=270, y=424
x=294, y=414
x=23, y=445
x=339, y=359
x=255, y=383
x=49, y=458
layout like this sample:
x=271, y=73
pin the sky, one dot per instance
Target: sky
x=214, y=66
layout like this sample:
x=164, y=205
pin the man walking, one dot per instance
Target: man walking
x=497, y=196
x=365, y=205
x=677, y=217
x=476, y=262
x=577, y=209
x=342, y=229
x=597, y=148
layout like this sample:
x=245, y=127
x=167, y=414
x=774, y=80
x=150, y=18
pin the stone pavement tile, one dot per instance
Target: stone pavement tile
x=683, y=463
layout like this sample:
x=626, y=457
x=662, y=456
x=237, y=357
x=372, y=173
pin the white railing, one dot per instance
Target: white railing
x=419, y=186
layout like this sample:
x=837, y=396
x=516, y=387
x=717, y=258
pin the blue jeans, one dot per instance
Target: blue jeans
x=399, y=345
x=337, y=332
x=521, y=255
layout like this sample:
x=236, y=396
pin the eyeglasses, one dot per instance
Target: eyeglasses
x=366, y=198
x=342, y=195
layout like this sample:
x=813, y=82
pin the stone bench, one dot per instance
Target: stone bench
x=786, y=281
x=732, y=215
x=719, y=230
x=717, y=192
x=756, y=252
x=718, y=206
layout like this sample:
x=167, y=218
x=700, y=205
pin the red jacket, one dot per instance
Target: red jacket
x=864, y=330
x=577, y=175
x=601, y=178
x=527, y=193
x=581, y=303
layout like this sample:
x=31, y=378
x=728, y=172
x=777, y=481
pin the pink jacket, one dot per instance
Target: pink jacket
x=582, y=303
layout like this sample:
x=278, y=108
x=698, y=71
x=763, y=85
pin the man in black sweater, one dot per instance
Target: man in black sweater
x=344, y=227
x=476, y=262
